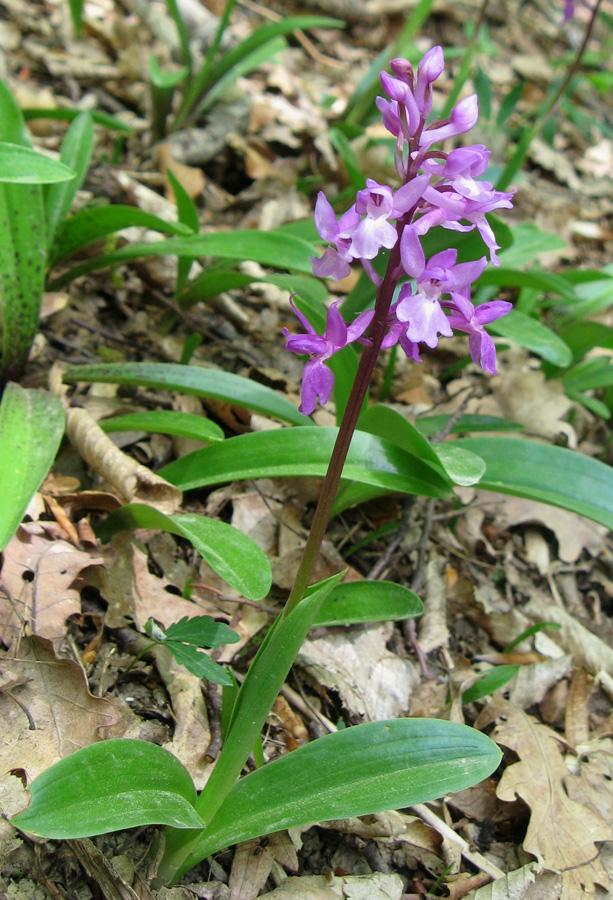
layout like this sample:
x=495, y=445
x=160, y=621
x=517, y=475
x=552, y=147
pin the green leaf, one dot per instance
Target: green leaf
x=462, y=467
x=271, y=248
x=20, y=165
x=69, y=115
x=267, y=53
x=306, y=451
x=166, y=421
x=213, y=383
x=109, y=786
x=357, y=771
x=490, y=682
x=188, y=216
x=529, y=241
x=528, y=632
x=583, y=336
x=234, y=556
x=164, y=79
x=31, y=428
x=392, y=426
x=89, y=225
x=201, y=631
x=554, y=475
x=589, y=375
x=22, y=251
x=534, y=336
x=76, y=14
x=213, y=281
x=199, y=663
x=430, y=425
x=77, y=150
x=358, y=602
x=503, y=276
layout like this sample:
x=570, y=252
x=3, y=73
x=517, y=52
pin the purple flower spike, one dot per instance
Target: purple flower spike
x=317, y=379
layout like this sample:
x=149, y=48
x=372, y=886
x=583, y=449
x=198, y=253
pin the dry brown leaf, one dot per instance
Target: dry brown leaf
x=190, y=178
x=528, y=883
x=35, y=585
x=51, y=713
x=253, y=861
x=561, y=833
x=372, y=682
x=577, y=725
x=134, y=594
x=348, y=887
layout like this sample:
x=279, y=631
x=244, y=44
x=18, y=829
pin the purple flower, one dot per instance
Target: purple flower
x=335, y=261
x=464, y=116
x=318, y=379
x=365, y=228
x=470, y=319
x=421, y=310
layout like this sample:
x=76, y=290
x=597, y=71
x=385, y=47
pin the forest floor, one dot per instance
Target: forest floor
x=486, y=570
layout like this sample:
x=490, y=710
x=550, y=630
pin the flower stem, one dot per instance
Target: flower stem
x=368, y=359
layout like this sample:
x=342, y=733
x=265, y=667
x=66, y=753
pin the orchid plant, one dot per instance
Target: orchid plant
x=377, y=765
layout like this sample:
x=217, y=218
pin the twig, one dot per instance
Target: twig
x=476, y=859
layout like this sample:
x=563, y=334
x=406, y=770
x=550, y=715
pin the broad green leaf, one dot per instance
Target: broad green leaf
x=393, y=427
x=89, y=225
x=430, y=425
x=352, y=493
x=584, y=336
x=213, y=383
x=534, y=336
x=22, y=251
x=271, y=248
x=109, y=786
x=462, y=467
x=528, y=242
x=31, y=428
x=503, y=276
x=358, y=602
x=306, y=451
x=234, y=556
x=20, y=165
x=69, y=115
x=357, y=771
x=490, y=682
x=166, y=421
x=554, y=475
x=76, y=153
x=588, y=375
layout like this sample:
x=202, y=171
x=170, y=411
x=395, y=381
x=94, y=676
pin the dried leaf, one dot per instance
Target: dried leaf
x=35, y=586
x=561, y=833
x=51, y=714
